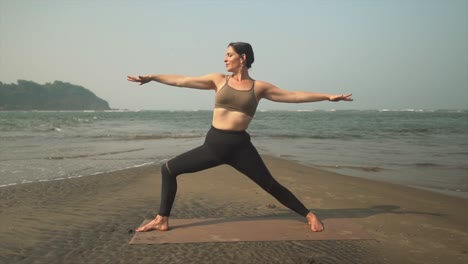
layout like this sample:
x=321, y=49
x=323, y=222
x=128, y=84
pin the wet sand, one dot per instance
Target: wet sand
x=92, y=219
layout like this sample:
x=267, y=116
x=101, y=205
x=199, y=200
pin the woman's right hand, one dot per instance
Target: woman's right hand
x=140, y=79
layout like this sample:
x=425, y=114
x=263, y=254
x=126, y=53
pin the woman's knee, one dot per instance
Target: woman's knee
x=165, y=170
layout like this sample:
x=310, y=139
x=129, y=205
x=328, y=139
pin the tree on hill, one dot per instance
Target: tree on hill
x=28, y=95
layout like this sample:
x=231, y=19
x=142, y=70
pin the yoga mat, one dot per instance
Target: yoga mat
x=248, y=229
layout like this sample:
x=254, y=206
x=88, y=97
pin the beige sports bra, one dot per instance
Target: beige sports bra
x=237, y=100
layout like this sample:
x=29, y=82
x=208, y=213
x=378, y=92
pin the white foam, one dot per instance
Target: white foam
x=301, y=110
x=407, y=110
x=9, y=184
x=79, y=176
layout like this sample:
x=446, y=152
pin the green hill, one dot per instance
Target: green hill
x=28, y=95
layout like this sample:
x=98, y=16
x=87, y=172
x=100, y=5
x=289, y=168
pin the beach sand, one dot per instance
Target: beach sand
x=92, y=219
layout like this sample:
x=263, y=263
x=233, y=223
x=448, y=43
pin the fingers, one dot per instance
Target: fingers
x=348, y=97
x=142, y=79
x=133, y=79
x=139, y=79
x=342, y=97
x=345, y=97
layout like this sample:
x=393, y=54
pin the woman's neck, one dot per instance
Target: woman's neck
x=241, y=75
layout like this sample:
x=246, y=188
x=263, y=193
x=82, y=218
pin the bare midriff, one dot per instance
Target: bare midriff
x=230, y=120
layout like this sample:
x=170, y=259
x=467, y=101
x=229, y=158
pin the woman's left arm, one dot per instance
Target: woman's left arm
x=276, y=94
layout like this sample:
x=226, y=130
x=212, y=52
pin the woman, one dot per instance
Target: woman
x=227, y=142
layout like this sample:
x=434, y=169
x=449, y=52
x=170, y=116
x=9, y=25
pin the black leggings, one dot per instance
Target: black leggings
x=224, y=147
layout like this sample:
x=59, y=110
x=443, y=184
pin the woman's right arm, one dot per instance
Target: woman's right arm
x=206, y=82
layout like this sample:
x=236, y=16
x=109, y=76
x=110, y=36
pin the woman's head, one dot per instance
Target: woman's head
x=238, y=54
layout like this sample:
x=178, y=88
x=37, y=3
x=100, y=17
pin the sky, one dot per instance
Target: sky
x=390, y=54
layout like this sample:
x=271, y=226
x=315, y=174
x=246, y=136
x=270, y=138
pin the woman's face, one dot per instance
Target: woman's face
x=232, y=60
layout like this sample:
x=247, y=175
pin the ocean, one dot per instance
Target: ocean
x=420, y=148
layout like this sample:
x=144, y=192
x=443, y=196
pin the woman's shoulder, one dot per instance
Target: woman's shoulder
x=217, y=75
x=219, y=79
x=263, y=88
x=259, y=84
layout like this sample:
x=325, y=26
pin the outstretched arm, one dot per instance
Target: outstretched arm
x=277, y=94
x=207, y=82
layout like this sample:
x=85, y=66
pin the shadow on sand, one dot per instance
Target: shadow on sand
x=323, y=214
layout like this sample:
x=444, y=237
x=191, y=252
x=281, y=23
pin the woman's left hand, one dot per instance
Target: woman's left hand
x=140, y=79
x=342, y=97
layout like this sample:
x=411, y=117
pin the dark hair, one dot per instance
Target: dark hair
x=244, y=48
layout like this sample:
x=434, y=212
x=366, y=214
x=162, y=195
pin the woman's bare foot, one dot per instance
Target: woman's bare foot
x=160, y=223
x=314, y=222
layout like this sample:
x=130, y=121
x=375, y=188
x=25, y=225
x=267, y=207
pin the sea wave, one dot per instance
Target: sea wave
x=148, y=137
x=360, y=168
x=424, y=110
x=79, y=176
x=171, y=136
x=92, y=155
x=307, y=136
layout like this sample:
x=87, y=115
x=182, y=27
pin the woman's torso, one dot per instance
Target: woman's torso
x=238, y=116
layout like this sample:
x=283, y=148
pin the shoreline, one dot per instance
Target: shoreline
x=325, y=168
x=91, y=219
x=84, y=144
x=80, y=176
